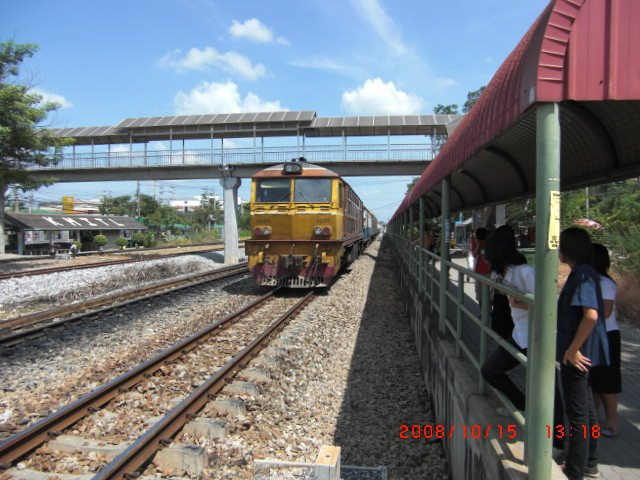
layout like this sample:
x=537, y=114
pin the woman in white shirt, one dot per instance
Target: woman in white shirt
x=510, y=267
x=606, y=382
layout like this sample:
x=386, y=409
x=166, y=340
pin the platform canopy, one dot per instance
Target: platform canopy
x=582, y=54
x=258, y=124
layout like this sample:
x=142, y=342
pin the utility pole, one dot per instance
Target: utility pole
x=138, y=199
x=30, y=202
x=586, y=196
x=16, y=199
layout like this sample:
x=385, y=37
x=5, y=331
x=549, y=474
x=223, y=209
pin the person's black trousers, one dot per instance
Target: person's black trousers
x=581, y=415
x=494, y=370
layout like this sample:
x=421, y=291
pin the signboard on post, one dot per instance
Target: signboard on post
x=67, y=204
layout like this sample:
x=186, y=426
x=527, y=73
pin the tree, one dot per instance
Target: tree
x=440, y=109
x=23, y=142
x=472, y=98
x=210, y=211
x=148, y=205
x=163, y=218
x=412, y=184
x=120, y=205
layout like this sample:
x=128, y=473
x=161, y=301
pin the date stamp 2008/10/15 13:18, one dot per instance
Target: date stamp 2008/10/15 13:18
x=509, y=431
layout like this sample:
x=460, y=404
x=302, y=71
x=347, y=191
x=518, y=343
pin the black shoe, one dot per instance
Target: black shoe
x=591, y=472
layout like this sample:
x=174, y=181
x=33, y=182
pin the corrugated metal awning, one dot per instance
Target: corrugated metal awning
x=261, y=124
x=578, y=53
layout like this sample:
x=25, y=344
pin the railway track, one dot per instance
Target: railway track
x=138, y=454
x=65, y=268
x=72, y=313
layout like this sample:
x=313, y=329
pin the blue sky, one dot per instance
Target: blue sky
x=107, y=61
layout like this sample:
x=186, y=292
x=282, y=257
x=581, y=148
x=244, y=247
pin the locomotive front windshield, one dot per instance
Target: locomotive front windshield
x=273, y=191
x=312, y=190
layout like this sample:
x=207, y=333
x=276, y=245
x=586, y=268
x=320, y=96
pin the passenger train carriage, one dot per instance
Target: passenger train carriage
x=306, y=222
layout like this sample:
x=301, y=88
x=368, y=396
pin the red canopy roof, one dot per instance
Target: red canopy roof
x=577, y=52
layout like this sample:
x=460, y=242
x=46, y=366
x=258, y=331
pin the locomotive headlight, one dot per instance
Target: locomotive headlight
x=292, y=168
x=322, y=231
x=262, y=230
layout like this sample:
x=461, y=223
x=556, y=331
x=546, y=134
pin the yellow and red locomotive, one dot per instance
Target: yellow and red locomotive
x=306, y=222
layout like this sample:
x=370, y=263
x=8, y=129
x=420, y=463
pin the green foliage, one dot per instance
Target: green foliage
x=122, y=242
x=624, y=245
x=162, y=218
x=150, y=240
x=120, y=205
x=440, y=109
x=138, y=239
x=128, y=205
x=244, y=219
x=78, y=244
x=472, y=98
x=209, y=213
x=23, y=143
x=100, y=240
x=411, y=184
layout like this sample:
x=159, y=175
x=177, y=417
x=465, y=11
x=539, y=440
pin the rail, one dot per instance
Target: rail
x=91, y=307
x=238, y=156
x=127, y=464
x=426, y=275
x=25, y=441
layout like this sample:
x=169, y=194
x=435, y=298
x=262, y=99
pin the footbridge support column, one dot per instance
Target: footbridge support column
x=230, y=187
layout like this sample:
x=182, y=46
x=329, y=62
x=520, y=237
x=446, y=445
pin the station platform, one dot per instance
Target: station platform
x=618, y=456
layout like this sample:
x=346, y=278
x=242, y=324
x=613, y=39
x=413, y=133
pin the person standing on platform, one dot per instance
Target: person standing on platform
x=581, y=344
x=478, y=254
x=501, y=253
x=606, y=382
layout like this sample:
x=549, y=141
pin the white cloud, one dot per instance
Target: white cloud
x=321, y=64
x=372, y=12
x=196, y=59
x=212, y=97
x=52, y=97
x=256, y=31
x=378, y=98
x=446, y=82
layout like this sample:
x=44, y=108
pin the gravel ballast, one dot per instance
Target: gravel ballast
x=347, y=375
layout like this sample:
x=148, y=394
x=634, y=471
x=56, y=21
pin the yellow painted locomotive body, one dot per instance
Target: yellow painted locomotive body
x=306, y=222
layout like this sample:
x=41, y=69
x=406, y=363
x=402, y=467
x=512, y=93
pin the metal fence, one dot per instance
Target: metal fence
x=238, y=156
x=423, y=267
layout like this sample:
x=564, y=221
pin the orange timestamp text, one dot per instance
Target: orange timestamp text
x=431, y=431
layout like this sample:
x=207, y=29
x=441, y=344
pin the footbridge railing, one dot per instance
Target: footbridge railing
x=128, y=157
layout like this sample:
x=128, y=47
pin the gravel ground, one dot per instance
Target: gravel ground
x=6, y=265
x=349, y=377
x=40, y=375
x=18, y=295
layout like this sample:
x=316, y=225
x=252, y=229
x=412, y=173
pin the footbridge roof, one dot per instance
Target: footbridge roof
x=258, y=124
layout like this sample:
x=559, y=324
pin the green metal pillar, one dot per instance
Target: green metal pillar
x=444, y=249
x=542, y=344
x=412, y=246
x=421, y=249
